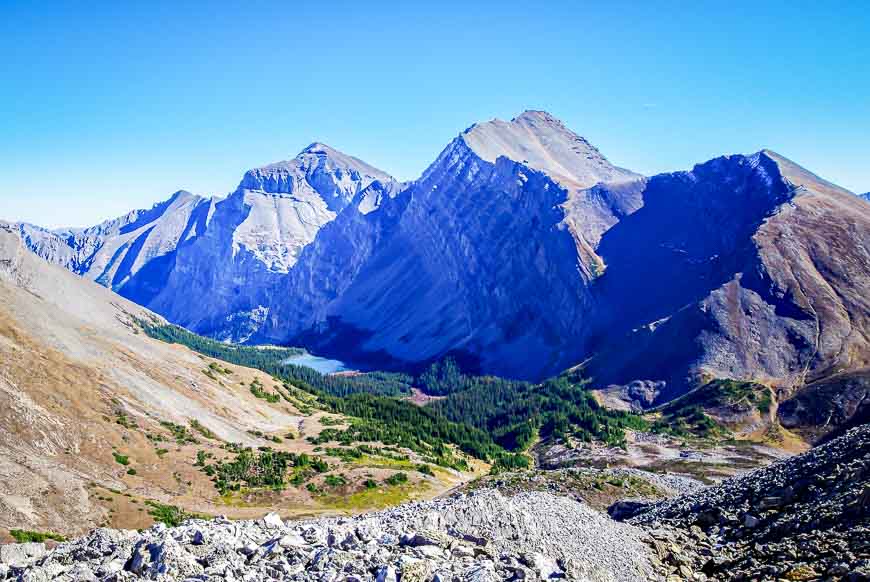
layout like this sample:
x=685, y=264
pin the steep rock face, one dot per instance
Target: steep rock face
x=223, y=281
x=209, y=264
x=329, y=265
x=829, y=406
x=131, y=254
x=599, y=194
x=217, y=285
x=49, y=245
x=288, y=202
x=751, y=268
x=457, y=261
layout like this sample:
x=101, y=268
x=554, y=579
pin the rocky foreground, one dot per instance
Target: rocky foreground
x=805, y=518
x=479, y=537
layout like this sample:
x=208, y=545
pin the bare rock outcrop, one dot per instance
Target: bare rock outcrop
x=805, y=518
x=479, y=537
x=131, y=254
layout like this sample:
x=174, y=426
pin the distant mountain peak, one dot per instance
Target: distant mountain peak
x=289, y=201
x=320, y=148
x=542, y=142
x=317, y=157
x=798, y=176
x=537, y=115
x=182, y=196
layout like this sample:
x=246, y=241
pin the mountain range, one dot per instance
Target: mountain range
x=520, y=251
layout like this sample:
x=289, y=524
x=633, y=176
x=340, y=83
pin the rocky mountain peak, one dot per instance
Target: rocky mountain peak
x=542, y=142
x=537, y=115
x=319, y=148
x=799, y=177
x=319, y=170
x=278, y=209
x=507, y=209
x=184, y=196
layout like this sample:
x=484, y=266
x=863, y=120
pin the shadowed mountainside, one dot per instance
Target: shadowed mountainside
x=456, y=262
x=764, y=280
x=521, y=251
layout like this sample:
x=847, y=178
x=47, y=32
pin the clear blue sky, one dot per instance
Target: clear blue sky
x=105, y=107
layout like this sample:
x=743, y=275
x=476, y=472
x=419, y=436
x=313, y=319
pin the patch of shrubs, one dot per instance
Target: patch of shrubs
x=169, y=514
x=262, y=468
x=335, y=480
x=203, y=430
x=257, y=390
x=23, y=536
x=180, y=433
x=396, y=479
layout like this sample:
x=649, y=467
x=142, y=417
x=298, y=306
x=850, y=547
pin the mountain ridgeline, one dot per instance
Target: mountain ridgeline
x=520, y=251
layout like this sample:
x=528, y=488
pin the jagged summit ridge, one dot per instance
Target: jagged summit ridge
x=112, y=252
x=761, y=271
x=318, y=169
x=799, y=177
x=288, y=202
x=454, y=264
x=542, y=142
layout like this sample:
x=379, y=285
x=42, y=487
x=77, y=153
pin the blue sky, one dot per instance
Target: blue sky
x=106, y=107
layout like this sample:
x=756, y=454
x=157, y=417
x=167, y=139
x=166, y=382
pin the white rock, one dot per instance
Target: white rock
x=272, y=521
x=13, y=555
x=545, y=566
x=34, y=549
x=537, y=525
x=292, y=540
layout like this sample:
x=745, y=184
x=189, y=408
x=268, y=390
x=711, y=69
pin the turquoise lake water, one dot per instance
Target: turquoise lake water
x=322, y=365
